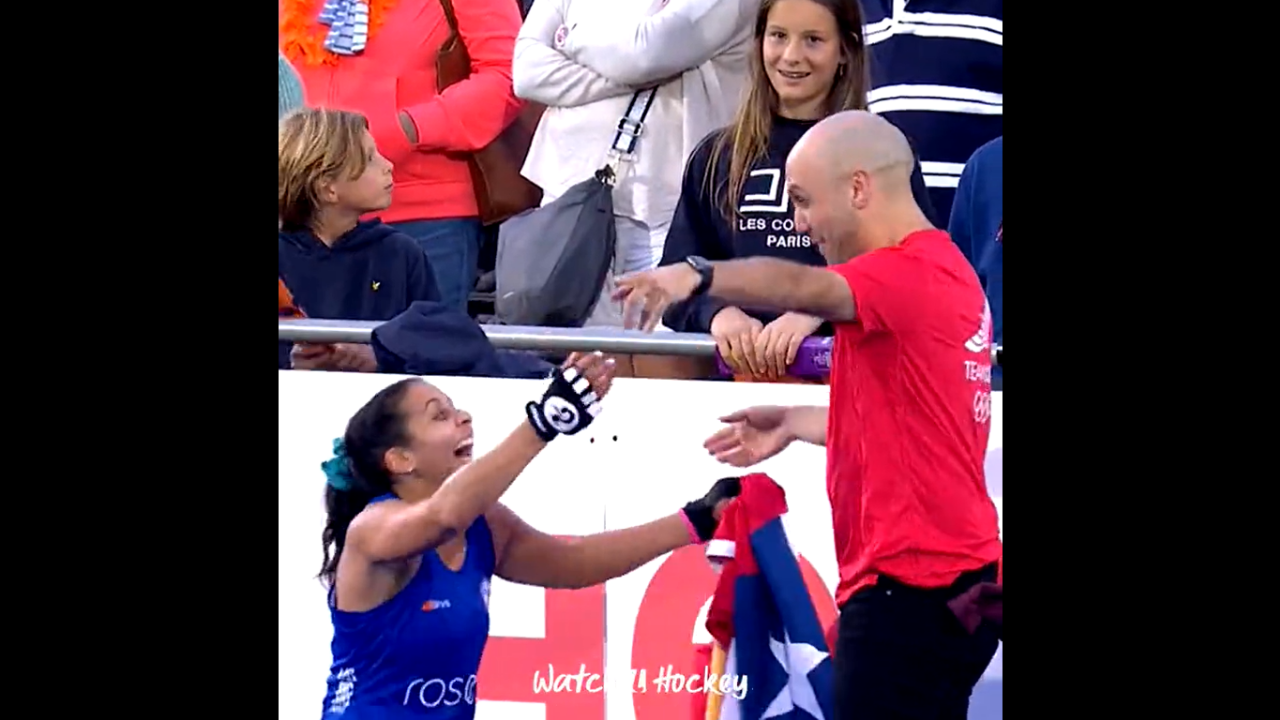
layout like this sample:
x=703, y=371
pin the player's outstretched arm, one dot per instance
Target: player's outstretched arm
x=388, y=531
x=531, y=557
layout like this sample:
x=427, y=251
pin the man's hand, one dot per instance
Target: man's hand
x=776, y=348
x=646, y=295
x=737, y=335
x=311, y=356
x=753, y=436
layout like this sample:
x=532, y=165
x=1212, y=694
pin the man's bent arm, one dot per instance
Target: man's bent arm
x=766, y=282
x=808, y=423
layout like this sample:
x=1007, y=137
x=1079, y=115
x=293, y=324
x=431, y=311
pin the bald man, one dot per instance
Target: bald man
x=906, y=431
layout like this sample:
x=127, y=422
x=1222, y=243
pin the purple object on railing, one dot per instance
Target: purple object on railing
x=813, y=360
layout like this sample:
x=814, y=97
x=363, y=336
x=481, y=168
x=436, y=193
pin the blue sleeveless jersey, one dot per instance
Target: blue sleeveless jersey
x=416, y=655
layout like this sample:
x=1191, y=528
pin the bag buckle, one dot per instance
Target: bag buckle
x=627, y=128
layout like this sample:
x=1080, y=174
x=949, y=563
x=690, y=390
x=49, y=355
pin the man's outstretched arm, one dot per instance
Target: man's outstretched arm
x=759, y=282
x=807, y=423
x=767, y=282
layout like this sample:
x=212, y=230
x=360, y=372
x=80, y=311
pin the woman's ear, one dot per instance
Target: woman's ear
x=399, y=461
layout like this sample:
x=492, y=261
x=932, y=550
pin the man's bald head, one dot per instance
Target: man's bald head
x=849, y=179
x=856, y=140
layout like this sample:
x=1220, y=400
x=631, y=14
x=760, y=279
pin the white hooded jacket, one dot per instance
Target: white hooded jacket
x=584, y=60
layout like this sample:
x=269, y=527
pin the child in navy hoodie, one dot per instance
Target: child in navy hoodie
x=336, y=265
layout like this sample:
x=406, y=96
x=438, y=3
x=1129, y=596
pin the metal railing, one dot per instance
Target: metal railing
x=517, y=337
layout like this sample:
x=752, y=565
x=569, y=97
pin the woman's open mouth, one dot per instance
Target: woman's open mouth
x=793, y=75
x=464, y=450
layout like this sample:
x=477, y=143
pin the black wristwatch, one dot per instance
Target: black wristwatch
x=705, y=270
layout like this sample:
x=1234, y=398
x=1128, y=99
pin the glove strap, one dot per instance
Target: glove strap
x=693, y=532
x=699, y=514
x=539, y=423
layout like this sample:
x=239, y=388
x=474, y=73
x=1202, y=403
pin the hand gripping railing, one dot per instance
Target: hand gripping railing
x=813, y=360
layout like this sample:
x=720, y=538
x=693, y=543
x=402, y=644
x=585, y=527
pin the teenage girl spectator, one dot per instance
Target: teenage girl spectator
x=415, y=534
x=807, y=62
x=336, y=265
x=977, y=227
x=584, y=59
x=378, y=58
x=937, y=72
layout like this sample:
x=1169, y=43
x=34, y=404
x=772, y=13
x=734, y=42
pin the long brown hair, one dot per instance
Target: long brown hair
x=747, y=139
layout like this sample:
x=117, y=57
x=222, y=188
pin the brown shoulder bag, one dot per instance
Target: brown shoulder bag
x=501, y=191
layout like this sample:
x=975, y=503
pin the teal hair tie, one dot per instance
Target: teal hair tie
x=337, y=470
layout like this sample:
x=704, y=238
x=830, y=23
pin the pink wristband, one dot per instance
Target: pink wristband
x=693, y=532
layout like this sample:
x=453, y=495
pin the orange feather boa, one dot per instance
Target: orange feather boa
x=302, y=36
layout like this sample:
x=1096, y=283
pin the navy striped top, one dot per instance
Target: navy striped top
x=937, y=73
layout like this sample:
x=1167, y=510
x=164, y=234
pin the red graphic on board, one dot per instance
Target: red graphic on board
x=662, y=636
x=664, y=624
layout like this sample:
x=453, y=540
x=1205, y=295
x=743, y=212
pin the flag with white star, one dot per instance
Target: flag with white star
x=762, y=614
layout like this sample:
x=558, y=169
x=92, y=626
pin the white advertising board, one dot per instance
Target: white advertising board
x=640, y=460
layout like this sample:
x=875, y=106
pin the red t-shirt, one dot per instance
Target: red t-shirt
x=910, y=417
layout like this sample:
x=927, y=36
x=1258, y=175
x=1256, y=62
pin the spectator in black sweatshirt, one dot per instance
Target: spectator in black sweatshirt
x=808, y=61
x=335, y=265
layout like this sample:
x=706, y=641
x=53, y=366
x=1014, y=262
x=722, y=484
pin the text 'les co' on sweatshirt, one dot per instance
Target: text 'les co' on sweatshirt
x=372, y=272
x=763, y=225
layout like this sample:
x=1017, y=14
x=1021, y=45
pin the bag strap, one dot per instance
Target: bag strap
x=449, y=16
x=631, y=124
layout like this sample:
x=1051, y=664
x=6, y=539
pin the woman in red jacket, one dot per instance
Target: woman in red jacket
x=378, y=58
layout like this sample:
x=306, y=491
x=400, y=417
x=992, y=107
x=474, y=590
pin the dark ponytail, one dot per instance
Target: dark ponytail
x=356, y=473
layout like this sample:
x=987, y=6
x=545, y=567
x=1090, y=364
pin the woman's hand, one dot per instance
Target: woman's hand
x=407, y=127
x=572, y=400
x=737, y=335
x=779, y=341
x=704, y=513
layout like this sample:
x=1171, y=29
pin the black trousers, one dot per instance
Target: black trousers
x=901, y=654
